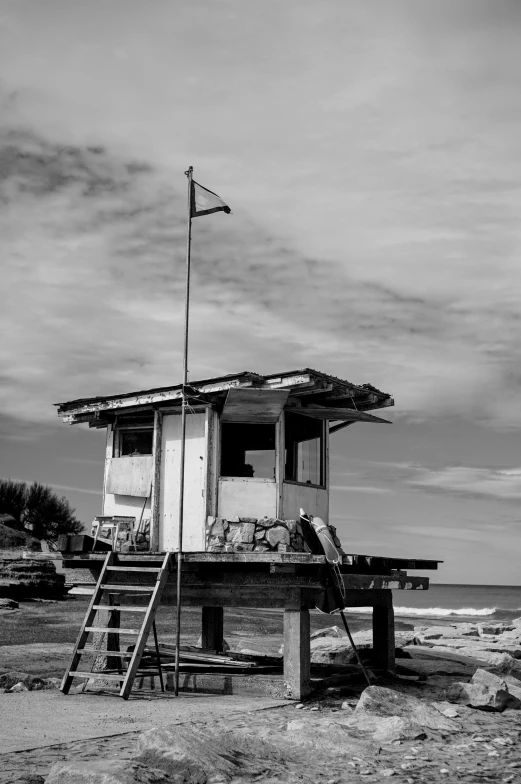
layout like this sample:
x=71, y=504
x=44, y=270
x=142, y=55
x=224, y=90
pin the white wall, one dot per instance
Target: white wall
x=247, y=497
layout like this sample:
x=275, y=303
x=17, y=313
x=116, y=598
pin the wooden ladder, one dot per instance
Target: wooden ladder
x=107, y=586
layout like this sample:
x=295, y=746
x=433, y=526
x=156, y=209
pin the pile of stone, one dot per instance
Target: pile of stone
x=496, y=645
x=259, y=535
x=22, y=578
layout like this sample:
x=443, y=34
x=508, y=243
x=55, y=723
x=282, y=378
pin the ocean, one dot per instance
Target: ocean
x=471, y=603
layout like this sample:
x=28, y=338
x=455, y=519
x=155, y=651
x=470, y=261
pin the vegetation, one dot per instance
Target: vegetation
x=38, y=510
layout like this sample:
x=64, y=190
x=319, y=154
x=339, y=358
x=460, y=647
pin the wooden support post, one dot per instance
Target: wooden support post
x=383, y=636
x=296, y=653
x=212, y=637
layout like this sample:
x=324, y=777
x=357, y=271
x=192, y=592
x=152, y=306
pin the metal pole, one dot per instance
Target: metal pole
x=189, y=174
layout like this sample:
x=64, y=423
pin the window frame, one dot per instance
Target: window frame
x=323, y=455
x=119, y=429
x=261, y=479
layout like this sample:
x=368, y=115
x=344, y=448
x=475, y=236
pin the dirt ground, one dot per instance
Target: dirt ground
x=37, y=638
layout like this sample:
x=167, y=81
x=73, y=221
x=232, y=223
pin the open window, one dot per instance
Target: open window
x=248, y=450
x=304, y=450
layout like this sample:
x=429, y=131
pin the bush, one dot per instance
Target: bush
x=38, y=510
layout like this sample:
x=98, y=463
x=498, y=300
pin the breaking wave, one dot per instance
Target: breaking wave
x=444, y=612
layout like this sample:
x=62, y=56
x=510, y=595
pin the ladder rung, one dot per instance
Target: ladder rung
x=98, y=675
x=109, y=675
x=121, y=607
x=121, y=587
x=104, y=653
x=148, y=569
x=111, y=630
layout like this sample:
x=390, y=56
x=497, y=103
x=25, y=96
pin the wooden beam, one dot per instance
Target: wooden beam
x=296, y=653
x=383, y=638
x=155, y=505
x=212, y=633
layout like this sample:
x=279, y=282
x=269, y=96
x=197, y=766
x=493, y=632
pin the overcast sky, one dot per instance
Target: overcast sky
x=370, y=153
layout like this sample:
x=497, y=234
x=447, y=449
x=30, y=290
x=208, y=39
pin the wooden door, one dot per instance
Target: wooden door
x=195, y=484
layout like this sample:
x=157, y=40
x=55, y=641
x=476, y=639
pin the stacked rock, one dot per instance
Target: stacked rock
x=259, y=535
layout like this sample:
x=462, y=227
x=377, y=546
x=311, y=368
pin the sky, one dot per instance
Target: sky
x=370, y=153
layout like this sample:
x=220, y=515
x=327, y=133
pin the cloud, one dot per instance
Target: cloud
x=483, y=483
x=375, y=228
x=360, y=489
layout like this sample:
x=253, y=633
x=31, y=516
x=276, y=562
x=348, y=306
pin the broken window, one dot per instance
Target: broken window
x=304, y=449
x=248, y=450
x=135, y=442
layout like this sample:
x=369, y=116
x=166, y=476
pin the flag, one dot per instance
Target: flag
x=203, y=201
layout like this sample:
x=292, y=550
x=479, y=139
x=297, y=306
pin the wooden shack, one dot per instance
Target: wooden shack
x=257, y=451
x=257, y=448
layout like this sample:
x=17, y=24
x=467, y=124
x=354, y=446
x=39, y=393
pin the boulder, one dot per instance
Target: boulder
x=495, y=629
x=485, y=691
x=8, y=604
x=278, y=535
x=189, y=754
x=391, y=715
x=29, y=778
x=110, y=772
x=25, y=577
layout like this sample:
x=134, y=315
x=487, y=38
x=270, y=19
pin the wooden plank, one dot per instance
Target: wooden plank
x=110, y=629
x=130, y=475
x=296, y=653
x=339, y=414
x=145, y=569
x=123, y=587
x=254, y=405
x=103, y=675
x=155, y=504
x=383, y=638
x=212, y=621
x=123, y=608
x=370, y=582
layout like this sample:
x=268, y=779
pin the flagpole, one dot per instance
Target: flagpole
x=184, y=404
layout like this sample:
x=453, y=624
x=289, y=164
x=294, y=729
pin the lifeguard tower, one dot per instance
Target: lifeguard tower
x=257, y=451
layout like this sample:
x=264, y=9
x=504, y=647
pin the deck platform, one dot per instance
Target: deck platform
x=292, y=582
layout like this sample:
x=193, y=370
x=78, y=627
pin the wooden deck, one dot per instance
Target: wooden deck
x=292, y=582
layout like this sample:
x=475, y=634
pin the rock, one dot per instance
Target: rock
x=392, y=715
x=29, y=778
x=106, y=771
x=494, y=629
x=266, y=522
x=8, y=604
x=18, y=687
x=259, y=534
x=346, y=706
x=235, y=519
x=248, y=519
x=331, y=650
x=387, y=772
x=329, y=631
x=13, y=678
x=240, y=533
x=278, y=535
x=291, y=525
x=243, y=548
x=189, y=754
x=485, y=691
x=218, y=528
x=51, y=683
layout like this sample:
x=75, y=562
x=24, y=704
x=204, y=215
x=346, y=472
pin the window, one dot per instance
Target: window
x=304, y=449
x=135, y=442
x=248, y=450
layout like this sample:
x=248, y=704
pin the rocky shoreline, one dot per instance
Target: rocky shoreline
x=451, y=712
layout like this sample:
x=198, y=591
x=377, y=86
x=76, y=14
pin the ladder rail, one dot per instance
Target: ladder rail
x=148, y=620
x=87, y=621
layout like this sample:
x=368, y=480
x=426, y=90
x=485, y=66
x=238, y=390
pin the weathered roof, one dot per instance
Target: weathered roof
x=324, y=388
